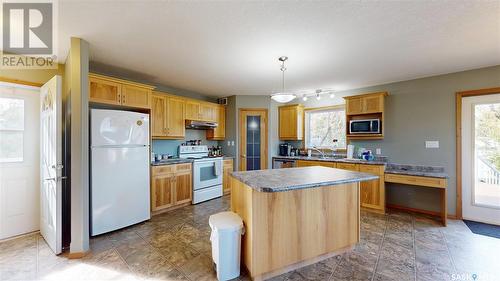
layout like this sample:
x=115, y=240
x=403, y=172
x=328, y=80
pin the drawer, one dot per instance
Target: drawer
x=328, y=164
x=347, y=166
x=416, y=180
x=166, y=169
x=228, y=162
x=183, y=167
x=372, y=169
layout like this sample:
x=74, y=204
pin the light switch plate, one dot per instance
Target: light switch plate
x=232, y=143
x=378, y=151
x=228, y=143
x=431, y=144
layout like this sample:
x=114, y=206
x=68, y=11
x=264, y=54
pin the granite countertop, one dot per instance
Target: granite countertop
x=276, y=180
x=332, y=159
x=227, y=157
x=416, y=170
x=171, y=161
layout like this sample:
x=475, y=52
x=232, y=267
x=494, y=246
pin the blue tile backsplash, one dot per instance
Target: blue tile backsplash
x=170, y=146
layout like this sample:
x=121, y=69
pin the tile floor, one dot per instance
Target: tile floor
x=175, y=246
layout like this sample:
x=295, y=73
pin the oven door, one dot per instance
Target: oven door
x=207, y=173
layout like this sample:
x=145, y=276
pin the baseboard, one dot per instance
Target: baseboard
x=419, y=211
x=76, y=255
x=154, y=213
x=18, y=236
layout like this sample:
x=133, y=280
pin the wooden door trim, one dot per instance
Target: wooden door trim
x=262, y=111
x=458, y=125
x=20, y=82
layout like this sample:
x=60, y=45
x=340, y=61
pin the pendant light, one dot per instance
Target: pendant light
x=283, y=97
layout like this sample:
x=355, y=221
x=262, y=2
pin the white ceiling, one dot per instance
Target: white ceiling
x=225, y=48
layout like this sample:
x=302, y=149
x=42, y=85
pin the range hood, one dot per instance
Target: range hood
x=200, y=125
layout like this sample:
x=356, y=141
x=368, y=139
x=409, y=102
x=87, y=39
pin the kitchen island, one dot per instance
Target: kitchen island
x=295, y=217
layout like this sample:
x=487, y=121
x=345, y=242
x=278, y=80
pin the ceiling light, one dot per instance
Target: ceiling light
x=304, y=98
x=332, y=95
x=318, y=96
x=283, y=97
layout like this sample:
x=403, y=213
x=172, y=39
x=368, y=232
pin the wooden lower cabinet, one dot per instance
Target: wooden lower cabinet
x=171, y=186
x=183, y=187
x=161, y=192
x=226, y=178
x=372, y=192
x=309, y=163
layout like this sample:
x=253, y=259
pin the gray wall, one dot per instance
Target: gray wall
x=130, y=75
x=232, y=120
x=416, y=111
x=76, y=85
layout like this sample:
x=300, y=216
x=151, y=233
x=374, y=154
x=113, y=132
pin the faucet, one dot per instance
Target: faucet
x=318, y=150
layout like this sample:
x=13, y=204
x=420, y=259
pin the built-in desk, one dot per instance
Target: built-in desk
x=424, y=181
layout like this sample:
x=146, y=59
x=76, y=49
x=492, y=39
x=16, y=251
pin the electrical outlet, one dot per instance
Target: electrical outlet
x=228, y=143
x=378, y=151
x=431, y=144
x=232, y=143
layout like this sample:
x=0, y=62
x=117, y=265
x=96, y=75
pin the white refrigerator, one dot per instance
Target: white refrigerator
x=119, y=191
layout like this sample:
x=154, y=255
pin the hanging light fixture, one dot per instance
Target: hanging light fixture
x=283, y=97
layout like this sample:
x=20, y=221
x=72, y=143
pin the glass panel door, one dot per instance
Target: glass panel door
x=253, y=143
x=486, y=189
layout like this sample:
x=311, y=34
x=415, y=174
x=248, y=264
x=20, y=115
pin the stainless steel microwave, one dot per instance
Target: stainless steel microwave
x=366, y=126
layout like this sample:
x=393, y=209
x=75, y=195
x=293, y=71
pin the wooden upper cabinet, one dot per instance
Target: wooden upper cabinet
x=373, y=104
x=167, y=116
x=175, y=117
x=108, y=90
x=291, y=122
x=208, y=112
x=158, y=115
x=354, y=106
x=365, y=104
x=202, y=111
x=104, y=91
x=192, y=110
x=136, y=96
x=218, y=133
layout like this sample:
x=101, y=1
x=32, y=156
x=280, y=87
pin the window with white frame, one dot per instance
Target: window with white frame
x=325, y=128
x=11, y=129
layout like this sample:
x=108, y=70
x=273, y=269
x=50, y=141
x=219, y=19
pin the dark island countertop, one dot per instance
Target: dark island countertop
x=277, y=180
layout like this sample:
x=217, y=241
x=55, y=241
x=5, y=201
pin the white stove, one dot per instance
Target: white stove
x=207, y=172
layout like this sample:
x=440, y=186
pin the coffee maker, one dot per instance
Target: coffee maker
x=285, y=149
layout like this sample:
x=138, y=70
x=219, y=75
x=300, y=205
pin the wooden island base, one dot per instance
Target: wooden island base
x=291, y=229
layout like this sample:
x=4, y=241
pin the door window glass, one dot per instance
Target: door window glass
x=11, y=129
x=487, y=154
x=253, y=143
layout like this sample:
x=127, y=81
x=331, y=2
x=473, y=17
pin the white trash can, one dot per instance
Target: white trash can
x=227, y=228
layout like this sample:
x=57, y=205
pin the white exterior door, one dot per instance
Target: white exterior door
x=51, y=163
x=19, y=159
x=481, y=158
